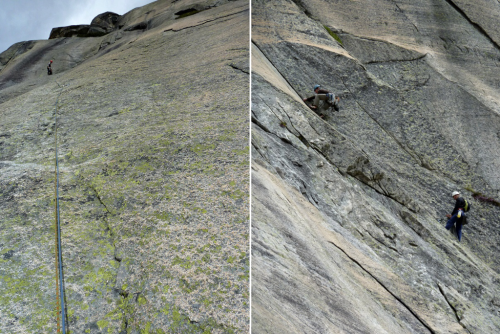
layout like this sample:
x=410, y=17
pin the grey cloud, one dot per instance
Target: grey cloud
x=24, y=20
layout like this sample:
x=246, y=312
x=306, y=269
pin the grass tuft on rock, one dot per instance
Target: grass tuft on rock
x=334, y=35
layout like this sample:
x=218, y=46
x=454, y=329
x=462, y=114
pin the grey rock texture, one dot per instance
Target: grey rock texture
x=348, y=210
x=154, y=176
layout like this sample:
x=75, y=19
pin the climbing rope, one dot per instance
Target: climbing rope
x=61, y=318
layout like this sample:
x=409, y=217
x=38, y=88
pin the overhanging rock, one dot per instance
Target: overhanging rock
x=101, y=25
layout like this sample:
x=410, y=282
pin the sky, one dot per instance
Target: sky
x=24, y=20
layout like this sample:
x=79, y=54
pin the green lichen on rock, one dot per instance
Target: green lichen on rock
x=146, y=154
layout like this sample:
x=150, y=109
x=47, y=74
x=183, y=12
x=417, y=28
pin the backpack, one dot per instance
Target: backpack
x=331, y=101
x=467, y=206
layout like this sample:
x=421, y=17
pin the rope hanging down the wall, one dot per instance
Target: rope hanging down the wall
x=61, y=317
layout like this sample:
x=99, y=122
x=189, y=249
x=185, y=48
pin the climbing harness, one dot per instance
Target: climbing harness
x=59, y=277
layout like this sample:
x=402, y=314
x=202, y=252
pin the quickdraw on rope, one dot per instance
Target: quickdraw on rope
x=61, y=317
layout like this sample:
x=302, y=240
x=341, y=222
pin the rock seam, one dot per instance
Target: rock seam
x=390, y=292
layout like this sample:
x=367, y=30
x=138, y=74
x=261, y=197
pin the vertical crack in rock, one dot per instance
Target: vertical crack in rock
x=259, y=124
x=449, y=304
x=303, y=8
x=475, y=25
x=423, y=322
x=291, y=123
x=274, y=66
x=108, y=225
x=286, y=124
x=263, y=127
x=122, y=293
x=455, y=312
x=99, y=198
x=258, y=151
x=406, y=17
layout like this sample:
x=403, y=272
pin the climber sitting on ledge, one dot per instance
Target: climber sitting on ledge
x=49, y=68
x=324, y=95
x=457, y=215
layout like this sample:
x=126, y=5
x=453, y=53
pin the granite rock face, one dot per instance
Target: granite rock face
x=348, y=209
x=153, y=148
